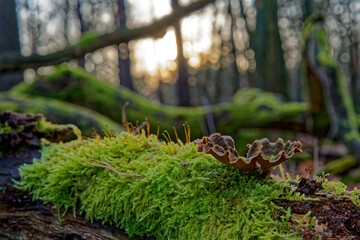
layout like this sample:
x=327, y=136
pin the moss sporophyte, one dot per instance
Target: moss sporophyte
x=169, y=190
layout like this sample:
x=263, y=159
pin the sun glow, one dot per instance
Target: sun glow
x=156, y=57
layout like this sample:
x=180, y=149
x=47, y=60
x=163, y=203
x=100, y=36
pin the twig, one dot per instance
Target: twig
x=108, y=166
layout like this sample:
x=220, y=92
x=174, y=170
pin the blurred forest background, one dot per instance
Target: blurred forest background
x=296, y=61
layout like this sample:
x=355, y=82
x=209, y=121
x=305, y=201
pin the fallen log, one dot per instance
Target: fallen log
x=23, y=218
x=249, y=108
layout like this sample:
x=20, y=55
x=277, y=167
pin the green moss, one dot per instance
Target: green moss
x=352, y=177
x=250, y=107
x=340, y=165
x=48, y=128
x=324, y=54
x=5, y=128
x=339, y=189
x=87, y=39
x=351, y=121
x=257, y=107
x=170, y=200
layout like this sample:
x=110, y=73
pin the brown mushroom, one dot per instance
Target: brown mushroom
x=262, y=154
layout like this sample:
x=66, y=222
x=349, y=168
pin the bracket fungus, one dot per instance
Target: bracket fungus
x=262, y=154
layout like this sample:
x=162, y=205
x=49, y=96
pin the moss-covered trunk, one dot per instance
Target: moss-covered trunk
x=250, y=108
x=330, y=98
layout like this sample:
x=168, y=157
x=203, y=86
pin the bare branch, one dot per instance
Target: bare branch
x=157, y=28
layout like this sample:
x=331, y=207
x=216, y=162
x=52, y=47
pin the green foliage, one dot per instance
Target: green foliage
x=204, y=199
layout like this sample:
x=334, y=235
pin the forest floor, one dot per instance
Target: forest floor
x=336, y=217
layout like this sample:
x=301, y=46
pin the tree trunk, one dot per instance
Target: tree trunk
x=83, y=28
x=235, y=76
x=183, y=88
x=124, y=51
x=251, y=75
x=355, y=75
x=269, y=54
x=9, y=42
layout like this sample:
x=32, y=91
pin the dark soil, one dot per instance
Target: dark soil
x=336, y=218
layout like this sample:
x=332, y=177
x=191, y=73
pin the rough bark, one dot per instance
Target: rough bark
x=250, y=108
x=122, y=35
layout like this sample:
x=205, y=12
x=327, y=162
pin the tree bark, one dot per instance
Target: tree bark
x=122, y=35
x=9, y=42
x=268, y=53
x=183, y=88
x=83, y=28
x=355, y=74
x=124, y=51
x=235, y=76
